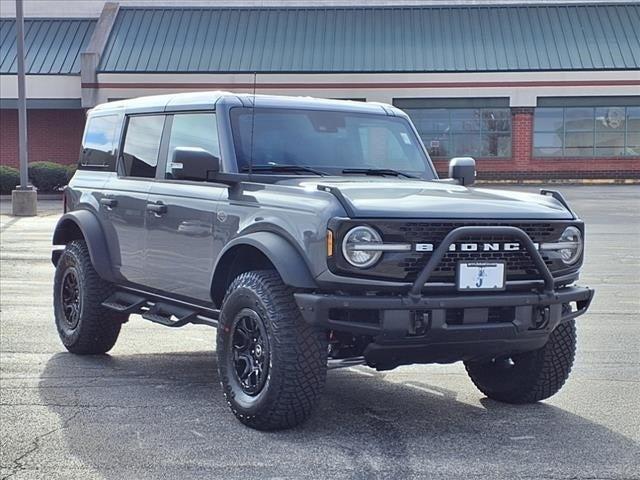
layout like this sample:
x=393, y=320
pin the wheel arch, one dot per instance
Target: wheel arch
x=84, y=225
x=257, y=251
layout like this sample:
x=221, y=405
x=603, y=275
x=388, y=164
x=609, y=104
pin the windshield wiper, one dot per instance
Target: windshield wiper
x=283, y=168
x=378, y=171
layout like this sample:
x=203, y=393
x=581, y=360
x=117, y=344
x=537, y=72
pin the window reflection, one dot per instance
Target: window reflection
x=586, y=131
x=476, y=132
x=99, y=141
x=141, y=145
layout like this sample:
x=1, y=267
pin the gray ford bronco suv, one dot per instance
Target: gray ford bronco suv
x=313, y=234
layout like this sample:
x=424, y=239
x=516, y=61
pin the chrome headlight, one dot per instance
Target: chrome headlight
x=359, y=246
x=569, y=246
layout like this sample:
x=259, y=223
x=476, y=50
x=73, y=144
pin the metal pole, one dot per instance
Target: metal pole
x=22, y=99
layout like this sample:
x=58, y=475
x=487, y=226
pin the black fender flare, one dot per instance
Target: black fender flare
x=289, y=263
x=89, y=226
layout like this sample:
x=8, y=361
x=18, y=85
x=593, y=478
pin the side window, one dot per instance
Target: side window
x=192, y=130
x=141, y=145
x=98, y=146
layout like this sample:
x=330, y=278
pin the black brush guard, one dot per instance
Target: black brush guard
x=416, y=328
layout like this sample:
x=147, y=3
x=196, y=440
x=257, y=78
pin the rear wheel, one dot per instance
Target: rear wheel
x=528, y=377
x=272, y=364
x=84, y=325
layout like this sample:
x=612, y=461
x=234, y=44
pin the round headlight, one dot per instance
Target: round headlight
x=355, y=246
x=570, y=245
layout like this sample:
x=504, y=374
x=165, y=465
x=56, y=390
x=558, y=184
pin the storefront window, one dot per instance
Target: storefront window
x=460, y=132
x=632, y=140
x=586, y=131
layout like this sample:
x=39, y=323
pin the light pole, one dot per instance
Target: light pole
x=24, y=198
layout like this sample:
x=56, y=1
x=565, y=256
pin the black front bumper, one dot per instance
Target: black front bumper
x=443, y=329
x=419, y=328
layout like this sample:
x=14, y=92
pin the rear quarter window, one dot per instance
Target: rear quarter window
x=99, y=143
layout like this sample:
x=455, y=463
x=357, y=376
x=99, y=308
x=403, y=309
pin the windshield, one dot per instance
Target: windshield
x=327, y=141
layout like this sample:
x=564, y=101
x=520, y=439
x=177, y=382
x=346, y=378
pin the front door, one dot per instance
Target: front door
x=180, y=249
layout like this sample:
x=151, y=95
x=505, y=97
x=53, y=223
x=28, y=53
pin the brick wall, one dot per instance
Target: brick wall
x=53, y=135
x=522, y=165
x=521, y=138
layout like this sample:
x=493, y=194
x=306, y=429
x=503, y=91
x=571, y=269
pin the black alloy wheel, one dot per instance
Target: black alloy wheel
x=250, y=351
x=271, y=363
x=70, y=296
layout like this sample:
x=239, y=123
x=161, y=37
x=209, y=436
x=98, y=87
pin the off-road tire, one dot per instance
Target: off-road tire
x=531, y=376
x=97, y=327
x=297, y=353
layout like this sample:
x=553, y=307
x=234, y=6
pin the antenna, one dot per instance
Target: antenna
x=253, y=122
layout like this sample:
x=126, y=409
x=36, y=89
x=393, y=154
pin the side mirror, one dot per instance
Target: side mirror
x=463, y=169
x=193, y=163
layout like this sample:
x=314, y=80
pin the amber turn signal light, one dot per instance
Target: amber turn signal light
x=329, y=243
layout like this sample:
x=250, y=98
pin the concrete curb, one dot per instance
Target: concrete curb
x=564, y=181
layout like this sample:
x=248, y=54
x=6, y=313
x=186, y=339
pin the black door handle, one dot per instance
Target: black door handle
x=108, y=202
x=157, y=208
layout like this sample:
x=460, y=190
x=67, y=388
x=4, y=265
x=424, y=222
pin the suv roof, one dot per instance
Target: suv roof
x=208, y=100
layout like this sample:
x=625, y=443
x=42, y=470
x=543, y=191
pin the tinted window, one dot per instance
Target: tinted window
x=99, y=143
x=141, y=145
x=199, y=130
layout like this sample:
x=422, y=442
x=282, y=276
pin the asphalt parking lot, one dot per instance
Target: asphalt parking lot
x=153, y=407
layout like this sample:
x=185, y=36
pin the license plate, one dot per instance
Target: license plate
x=481, y=276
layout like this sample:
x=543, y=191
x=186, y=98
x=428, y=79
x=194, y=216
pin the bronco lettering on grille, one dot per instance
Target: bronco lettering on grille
x=474, y=247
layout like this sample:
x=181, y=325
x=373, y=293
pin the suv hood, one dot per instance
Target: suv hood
x=399, y=198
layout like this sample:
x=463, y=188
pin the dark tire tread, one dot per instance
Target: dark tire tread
x=99, y=327
x=299, y=355
x=540, y=373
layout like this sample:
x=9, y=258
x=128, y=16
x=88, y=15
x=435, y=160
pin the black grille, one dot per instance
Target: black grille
x=405, y=266
x=435, y=232
x=519, y=263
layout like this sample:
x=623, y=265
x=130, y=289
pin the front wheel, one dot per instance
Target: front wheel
x=531, y=376
x=272, y=364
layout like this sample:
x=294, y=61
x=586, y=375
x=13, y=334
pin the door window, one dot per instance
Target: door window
x=141, y=145
x=193, y=130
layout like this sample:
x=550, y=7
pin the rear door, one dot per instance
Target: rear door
x=124, y=204
x=180, y=236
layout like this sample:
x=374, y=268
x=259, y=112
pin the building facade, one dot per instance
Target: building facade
x=537, y=91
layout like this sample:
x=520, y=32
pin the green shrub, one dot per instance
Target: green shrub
x=9, y=179
x=71, y=170
x=48, y=176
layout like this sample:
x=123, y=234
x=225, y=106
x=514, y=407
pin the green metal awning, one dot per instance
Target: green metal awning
x=376, y=39
x=52, y=46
